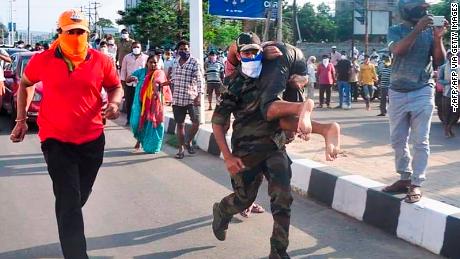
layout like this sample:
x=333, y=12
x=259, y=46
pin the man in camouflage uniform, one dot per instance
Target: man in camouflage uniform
x=257, y=151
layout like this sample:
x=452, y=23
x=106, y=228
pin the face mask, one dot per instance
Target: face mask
x=415, y=14
x=105, y=50
x=344, y=57
x=252, y=66
x=111, y=42
x=136, y=51
x=326, y=62
x=21, y=46
x=125, y=36
x=213, y=58
x=184, y=55
x=74, y=45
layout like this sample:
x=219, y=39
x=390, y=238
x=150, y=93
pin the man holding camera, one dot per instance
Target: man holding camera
x=417, y=45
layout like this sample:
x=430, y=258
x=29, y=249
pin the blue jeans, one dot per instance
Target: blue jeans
x=410, y=114
x=368, y=92
x=344, y=93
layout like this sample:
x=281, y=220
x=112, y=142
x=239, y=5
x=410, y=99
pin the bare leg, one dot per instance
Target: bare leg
x=138, y=145
x=330, y=132
x=210, y=99
x=180, y=131
x=282, y=109
x=192, y=132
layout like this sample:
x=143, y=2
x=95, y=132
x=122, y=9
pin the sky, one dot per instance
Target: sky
x=44, y=13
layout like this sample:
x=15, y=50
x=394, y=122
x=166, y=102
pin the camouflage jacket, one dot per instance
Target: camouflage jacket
x=253, y=138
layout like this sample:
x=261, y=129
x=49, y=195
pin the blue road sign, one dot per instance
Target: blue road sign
x=11, y=28
x=242, y=9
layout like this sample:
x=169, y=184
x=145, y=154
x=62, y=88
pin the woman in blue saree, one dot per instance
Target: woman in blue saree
x=146, y=118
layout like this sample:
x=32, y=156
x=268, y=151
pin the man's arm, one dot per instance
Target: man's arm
x=197, y=73
x=439, y=52
x=401, y=47
x=124, y=70
x=25, y=94
x=5, y=58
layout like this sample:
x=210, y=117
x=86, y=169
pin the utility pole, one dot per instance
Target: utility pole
x=279, y=27
x=96, y=5
x=11, y=29
x=267, y=22
x=196, y=41
x=353, y=31
x=28, y=22
x=366, y=29
x=294, y=8
x=180, y=17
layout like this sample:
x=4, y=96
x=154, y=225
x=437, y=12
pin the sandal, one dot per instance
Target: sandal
x=190, y=149
x=398, y=186
x=256, y=208
x=245, y=213
x=414, y=194
x=180, y=155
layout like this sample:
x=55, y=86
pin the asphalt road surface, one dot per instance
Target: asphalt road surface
x=154, y=206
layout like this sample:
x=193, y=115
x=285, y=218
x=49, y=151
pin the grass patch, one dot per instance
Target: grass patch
x=171, y=139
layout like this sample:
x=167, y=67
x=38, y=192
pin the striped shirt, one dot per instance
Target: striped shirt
x=187, y=81
x=384, y=76
x=214, y=70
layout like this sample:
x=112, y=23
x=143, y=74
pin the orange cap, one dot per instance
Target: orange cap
x=72, y=19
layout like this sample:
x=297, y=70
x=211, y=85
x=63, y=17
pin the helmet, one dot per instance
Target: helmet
x=412, y=10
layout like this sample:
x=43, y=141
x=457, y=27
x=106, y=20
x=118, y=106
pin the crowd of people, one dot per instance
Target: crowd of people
x=266, y=87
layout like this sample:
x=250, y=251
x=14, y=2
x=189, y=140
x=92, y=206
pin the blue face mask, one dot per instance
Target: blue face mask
x=252, y=67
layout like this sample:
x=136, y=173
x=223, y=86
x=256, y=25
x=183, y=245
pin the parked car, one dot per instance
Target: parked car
x=13, y=73
x=11, y=51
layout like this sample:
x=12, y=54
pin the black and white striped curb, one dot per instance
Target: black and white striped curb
x=429, y=223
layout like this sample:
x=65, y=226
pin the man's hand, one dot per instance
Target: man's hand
x=298, y=82
x=2, y=90
x=111, y=112
x=234, y=164
x=19, y=131
x=423, y=23
x=131, y=79
x=439, y=31
x=197, y=101
x=272, y=52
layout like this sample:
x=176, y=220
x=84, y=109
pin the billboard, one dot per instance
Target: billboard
x=378, y=23
x=242, y=9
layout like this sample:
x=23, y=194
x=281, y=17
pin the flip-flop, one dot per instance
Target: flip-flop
x=190, y=149
x=180, y=155
x=256, y=208
x=414, y=195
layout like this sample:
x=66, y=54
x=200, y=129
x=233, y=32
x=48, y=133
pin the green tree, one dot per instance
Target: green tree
x=153, y=20
x=3, y=35
x=317, y=26
x=104, y=23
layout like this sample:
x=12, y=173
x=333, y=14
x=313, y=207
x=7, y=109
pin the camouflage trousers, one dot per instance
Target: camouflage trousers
x=277, y=170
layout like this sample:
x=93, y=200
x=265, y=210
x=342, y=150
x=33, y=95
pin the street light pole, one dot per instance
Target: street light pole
x=279, y=34
x=28, y=22
x=366, y=29
x=196, y=42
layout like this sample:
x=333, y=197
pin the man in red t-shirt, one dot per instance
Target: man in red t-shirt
x=70, y=120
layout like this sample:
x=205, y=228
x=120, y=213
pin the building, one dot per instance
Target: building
x=131, y=3
x=390, y=6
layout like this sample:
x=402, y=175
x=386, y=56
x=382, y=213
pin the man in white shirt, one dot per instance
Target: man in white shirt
x=335, y=56
x=4, y=57
x=131, y=62
x=168, y=62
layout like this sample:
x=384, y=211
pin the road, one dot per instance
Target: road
x=153, y=206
